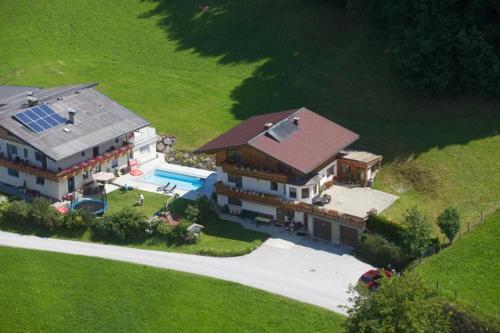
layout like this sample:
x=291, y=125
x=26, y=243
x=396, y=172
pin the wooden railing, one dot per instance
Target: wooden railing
x=248, y=171
x=271, y=200
x=22, y=166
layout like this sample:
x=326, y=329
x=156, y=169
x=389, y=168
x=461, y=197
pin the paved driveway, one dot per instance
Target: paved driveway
x=302, y=269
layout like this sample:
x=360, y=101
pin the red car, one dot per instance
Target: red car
x=371, y=278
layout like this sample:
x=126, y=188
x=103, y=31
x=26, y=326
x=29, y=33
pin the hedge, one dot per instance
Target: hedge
x=379, y=252
x=382, y=226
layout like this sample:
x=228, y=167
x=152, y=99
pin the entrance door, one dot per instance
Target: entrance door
x=348, y=236
x=44, y=162
x=95, y=151
x=323, y=229
x=280, y=215
x=306, y=221
x=71, y=184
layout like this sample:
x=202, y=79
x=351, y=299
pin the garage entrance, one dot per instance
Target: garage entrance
x=323, y=229
x=348, y=236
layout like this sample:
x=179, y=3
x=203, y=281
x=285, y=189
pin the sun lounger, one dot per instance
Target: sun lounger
x=163, y=188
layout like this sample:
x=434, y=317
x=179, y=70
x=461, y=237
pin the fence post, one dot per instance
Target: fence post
x=437, y=285
x=468, y=226
x=481, y=216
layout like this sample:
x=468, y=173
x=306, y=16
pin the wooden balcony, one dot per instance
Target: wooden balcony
x=271, y=200
x=247, y=171
x=64, y=174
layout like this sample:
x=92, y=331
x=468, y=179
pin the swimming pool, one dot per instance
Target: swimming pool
x=183, y=182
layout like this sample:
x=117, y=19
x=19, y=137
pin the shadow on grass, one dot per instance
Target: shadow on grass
x=35, y=230
x=316, y=54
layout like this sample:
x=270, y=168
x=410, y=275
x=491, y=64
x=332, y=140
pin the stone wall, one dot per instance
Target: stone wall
x=166, y=145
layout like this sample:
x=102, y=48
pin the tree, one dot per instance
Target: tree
x=399, y=305
x=417, y=233
x=449, y=222
x=192, y=213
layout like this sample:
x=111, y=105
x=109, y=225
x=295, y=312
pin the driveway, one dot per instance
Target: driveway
x=305, y=270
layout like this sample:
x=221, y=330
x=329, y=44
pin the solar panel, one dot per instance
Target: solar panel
x=39, y=118
x=281, y=131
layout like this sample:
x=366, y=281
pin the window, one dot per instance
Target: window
x=232, y=178
x=82, y=153
x=114, y=163
x=274, y=186
x=234, y=155
x=293, y=192
x=315, y=189
x=305, y=193
x=13, y=172
x=116, y=140
x=144, y=149
x=38, y=156
x=290, y=214
x=330, y=171
x=235, y=201
x=11, y=150
x=40, y=181
x=25, y=151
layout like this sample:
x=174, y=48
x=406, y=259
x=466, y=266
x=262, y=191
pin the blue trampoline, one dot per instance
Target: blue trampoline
x=96, y=207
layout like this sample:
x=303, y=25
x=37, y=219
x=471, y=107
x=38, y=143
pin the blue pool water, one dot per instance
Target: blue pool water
x=183, y=182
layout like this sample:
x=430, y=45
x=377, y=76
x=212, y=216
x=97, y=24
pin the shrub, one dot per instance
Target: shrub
x=163, y=230
x=379, y=252
x=44, y=215
x=77, y=219
x=381, y=225
x=449, y=223
x=125, y=224
x=192, y=213
x=417, y=233
x=179, y=232
x=206, y=213
x=17, y=212
x=399, y=305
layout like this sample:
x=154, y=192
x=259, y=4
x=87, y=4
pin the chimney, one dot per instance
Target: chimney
x=268, y=125
x=32, y=101
x=296, y=120
x=71, y=115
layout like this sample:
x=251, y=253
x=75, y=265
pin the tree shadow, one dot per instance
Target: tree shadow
x=315, y=54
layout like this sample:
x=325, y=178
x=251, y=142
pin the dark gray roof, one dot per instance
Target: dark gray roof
x=98, y=119
x=11, y=92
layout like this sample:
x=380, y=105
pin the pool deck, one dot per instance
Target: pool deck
x=159, y=163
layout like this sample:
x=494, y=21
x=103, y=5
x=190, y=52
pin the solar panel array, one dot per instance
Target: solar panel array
x=281, y=131
x=40, y=118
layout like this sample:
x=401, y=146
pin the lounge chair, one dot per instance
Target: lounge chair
x=163, y=188
x=172, y=189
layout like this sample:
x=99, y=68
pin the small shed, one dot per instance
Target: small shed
x=195, y=228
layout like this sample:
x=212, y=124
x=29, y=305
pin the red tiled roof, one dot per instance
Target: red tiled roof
x=316, y=140
x=244, y=132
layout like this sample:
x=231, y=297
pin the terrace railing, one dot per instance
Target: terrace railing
x=271, y=200
x=245, y=170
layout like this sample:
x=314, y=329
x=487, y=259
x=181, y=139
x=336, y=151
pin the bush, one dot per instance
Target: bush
x=417, y=233
x=378, y=251
x=192, y=213
x=163, y=230
x=77, y=219
x=449, y=223
x=125, y=224
x=206, y=213
x=381, y=225
x=44, y=215
x=17, y=212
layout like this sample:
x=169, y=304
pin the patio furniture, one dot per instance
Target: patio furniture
x=322, y=200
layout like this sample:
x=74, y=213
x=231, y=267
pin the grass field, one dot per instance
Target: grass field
x=221, y=238
x=471, y=267
x=196, y=68
x=48, y=292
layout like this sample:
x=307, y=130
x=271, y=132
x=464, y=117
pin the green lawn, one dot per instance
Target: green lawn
x=219, y=238
x=471, y=267
x=196, y=68
x=153, y=202
x=48, y=292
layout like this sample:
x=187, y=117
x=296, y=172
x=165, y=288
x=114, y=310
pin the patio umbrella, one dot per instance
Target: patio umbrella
x=103, y=176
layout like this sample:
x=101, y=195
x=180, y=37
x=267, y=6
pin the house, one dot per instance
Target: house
x=277, y=166
x=53, y=140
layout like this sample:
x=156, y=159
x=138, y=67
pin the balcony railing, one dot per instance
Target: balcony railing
x=271, y=200
x=248, y=171
x=23, y=166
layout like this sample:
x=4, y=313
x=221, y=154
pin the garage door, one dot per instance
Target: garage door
x=348, y=236
x=322, y=229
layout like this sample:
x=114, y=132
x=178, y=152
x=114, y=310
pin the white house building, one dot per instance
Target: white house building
x=53, y=140
x=279, y=166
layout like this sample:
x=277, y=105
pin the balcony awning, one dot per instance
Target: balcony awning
x=103, y=176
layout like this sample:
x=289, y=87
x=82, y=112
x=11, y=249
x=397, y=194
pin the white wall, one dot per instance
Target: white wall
x=258, y=208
